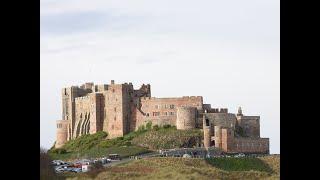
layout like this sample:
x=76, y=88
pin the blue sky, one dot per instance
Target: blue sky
x=227, y=51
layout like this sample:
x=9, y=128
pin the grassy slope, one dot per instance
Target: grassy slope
x=96, y=145
x=184, y=168
x=168, y=138
x=134, y=143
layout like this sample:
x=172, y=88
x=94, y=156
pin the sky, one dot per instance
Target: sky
x=226, y=51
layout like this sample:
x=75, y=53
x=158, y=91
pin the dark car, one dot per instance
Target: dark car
x=114, y=157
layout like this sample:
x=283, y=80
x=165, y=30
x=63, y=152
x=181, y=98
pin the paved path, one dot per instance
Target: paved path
x=114, y=163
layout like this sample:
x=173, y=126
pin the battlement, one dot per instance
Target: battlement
x=217, y=110
x=192, y=97
x=87, y=85
x=173, y=98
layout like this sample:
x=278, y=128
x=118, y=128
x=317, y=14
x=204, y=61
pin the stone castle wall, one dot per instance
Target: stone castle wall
x=119, y=109
x=250, y=145
x=163, y=111
x=250, y=125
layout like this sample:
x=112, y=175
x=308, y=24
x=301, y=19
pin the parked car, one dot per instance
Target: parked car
x=57, y=162
x=114, y=157
x=69, y=169
x=77, y=165
x=76, y=170
x=59, y=169
x=242, y=155
x=239, y=155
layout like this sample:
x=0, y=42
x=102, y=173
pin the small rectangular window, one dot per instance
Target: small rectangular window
x=171, y=106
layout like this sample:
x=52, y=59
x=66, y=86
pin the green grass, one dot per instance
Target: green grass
x=184, y=168
x=96, y=145
x=239, y=164
x=134, y=143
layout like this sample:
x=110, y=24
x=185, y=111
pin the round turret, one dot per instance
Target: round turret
x=186, y=117
x=62, y=133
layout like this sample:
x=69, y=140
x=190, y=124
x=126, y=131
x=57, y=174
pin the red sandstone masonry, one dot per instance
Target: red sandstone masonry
x=119, y=109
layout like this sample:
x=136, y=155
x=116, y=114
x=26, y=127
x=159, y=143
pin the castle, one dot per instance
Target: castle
x=119, y=109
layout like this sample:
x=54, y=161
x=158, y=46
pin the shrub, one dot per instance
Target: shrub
x=166, y=126
x=141, y=129
x=149, y=125
x=156, y=127
x=58, y=151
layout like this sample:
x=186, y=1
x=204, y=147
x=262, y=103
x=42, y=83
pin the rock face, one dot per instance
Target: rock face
x=119, y=109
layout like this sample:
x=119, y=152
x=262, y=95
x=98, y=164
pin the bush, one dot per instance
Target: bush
x=149, y=125
x=141, y=128
x=166, y=126
x=156, y=127
x=58, y=151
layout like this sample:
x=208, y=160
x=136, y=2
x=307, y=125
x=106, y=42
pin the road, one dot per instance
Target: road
x=114, y=163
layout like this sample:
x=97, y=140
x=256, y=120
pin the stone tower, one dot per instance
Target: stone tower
x=206, y=132
x=61, y=133
x=117, y=109
x=227, y=139
x=186, y=117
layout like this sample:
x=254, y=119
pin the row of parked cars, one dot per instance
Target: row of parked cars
x=61, y=166
x=82, y=165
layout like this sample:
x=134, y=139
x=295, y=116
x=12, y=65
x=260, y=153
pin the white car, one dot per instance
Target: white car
x=59, y=169
x=57, y=162
x=240, y=155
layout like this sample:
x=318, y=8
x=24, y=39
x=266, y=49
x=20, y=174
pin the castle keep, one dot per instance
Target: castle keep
x=119, y=109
